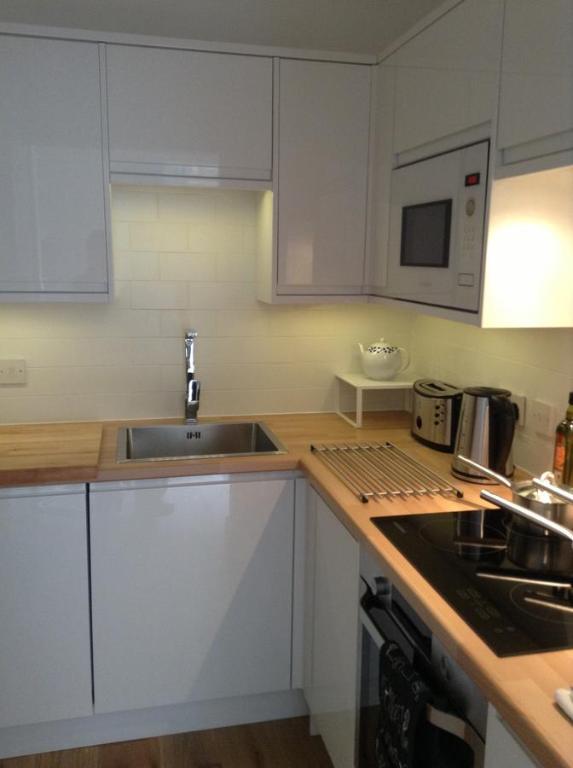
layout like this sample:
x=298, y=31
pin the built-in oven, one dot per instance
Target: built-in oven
x=437, y=229
x=453, y=722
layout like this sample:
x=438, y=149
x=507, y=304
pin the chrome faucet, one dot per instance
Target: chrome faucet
x=193, y=389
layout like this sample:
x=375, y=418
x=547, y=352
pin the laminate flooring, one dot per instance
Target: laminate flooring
x=276, y=744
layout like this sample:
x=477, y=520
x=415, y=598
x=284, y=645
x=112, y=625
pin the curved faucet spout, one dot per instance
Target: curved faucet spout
x=193, y=388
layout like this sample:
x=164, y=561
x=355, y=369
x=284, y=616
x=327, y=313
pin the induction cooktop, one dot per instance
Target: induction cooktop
x=509, y=579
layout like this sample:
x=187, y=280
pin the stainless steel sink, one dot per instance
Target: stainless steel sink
x=194, y=441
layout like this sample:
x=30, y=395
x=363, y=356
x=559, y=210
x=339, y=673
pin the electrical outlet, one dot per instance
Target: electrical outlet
x=12, y=371
x=520, y=401
x=541, y=417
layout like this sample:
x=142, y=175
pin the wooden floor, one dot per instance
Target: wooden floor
x=277, y=744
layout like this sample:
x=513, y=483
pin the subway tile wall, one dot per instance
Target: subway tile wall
x=186, y=258
x=537, y=363
x=183, y=258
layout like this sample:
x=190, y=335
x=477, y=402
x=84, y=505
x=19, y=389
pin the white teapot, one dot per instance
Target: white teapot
x=383, y=361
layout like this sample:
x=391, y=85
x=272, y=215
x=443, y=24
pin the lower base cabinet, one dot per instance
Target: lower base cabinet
x=191, y=590
x=502, y=749
x=331, y=621
x=44, y=605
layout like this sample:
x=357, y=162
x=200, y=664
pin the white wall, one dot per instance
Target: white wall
x=531, y=362
x=182, y=259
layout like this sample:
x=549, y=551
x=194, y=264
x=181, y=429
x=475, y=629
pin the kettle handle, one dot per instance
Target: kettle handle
x=405, y=360
x=503, y=416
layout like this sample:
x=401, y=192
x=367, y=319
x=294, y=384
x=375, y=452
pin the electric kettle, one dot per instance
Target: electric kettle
x=485, y=433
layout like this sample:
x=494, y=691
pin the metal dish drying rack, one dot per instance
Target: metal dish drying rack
x=381, y=470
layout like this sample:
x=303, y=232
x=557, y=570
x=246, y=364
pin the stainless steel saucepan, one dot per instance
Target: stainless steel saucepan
x=530, y=515
x=537, y=495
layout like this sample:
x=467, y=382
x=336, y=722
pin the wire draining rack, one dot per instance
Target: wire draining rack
x=381, y=470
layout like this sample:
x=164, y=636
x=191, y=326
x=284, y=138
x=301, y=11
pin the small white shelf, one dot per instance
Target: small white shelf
x=361, y=384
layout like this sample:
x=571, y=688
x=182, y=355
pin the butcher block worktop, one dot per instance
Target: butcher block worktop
x=49, y=453
x=521, y=687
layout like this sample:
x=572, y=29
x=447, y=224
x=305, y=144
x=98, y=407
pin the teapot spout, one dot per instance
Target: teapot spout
x=361, y=348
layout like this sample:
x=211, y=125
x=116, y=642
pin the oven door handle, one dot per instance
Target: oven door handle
x=452, y=724
x=459, y=728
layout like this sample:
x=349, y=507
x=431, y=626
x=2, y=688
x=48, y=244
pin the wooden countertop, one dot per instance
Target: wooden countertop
x=521, y=687
x=49, y=453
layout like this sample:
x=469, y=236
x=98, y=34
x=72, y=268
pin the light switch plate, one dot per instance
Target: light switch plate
x=541, y=417
x=13, y=372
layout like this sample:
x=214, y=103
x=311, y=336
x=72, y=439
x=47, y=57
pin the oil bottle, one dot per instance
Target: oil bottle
x=563, y=455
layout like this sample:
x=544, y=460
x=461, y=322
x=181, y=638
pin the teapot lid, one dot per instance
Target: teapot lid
x=381, y=346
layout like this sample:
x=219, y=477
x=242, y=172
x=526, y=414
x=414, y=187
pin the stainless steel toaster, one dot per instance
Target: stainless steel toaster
x=435, y=413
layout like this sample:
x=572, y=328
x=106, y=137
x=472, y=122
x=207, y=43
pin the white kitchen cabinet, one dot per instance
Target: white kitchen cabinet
x=53, y=184
x=382, y=160
x=447, y=76
x=192, y=590
x=536, y=101
x=323, y=127
x=502, y=748
x=45, y=671
x=331, y=643
x=189, y=113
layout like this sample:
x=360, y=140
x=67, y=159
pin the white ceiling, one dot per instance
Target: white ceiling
x=342, y=25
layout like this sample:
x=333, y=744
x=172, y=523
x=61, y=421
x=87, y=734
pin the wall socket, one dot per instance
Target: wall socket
x=541, y=417
x=13, y=372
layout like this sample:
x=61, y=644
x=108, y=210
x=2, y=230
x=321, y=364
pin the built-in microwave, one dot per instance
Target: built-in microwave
x=436, y=232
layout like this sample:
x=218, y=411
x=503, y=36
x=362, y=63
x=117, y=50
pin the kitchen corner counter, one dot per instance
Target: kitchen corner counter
x=521, y=687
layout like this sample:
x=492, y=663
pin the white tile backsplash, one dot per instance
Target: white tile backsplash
x=186, y=258
x=183, y=258
x=537, y=363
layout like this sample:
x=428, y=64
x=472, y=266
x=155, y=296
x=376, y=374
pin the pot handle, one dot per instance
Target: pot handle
x=529, y=514
x=539, y=482
x=485, y=471
x=405, y=360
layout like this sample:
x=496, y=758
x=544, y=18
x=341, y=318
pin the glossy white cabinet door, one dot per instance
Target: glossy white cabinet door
x=323, y=157
x=332, y=642
x=502, y=750
x=382, y=163
x=52, y=190
x=192, y=592
x=188, y=113
x=45, y=670
x=447, y=76
x=537, y=74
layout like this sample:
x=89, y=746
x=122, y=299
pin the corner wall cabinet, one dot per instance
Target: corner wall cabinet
x=536, y=99
x=323, y=126
x=191, y=589
x=189, y=113
x=53, y=176
x=331, y=630
x=44, y=605
x=447, y=75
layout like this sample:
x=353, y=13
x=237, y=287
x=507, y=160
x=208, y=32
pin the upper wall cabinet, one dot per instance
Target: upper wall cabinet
x=536, y=104
x=324, y=111
x=447, y=76
x=186, y=113
x=53, y=185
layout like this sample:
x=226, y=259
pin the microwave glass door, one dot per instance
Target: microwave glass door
x=425, y=240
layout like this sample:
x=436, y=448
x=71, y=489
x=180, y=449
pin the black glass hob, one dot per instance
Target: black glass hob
x=509, y=579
